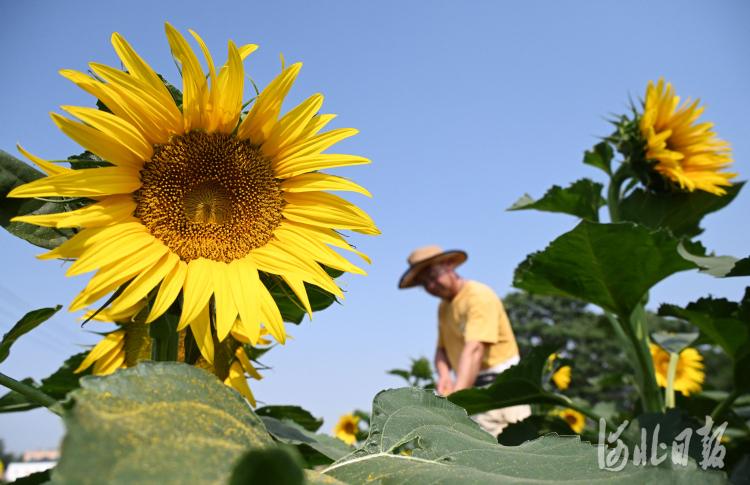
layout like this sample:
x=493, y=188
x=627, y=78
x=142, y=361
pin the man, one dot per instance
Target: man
x=475, y=338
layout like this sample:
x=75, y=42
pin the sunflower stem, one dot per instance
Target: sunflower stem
x=613, y=192
x=637, y=333
x=28, y=391
x=723, y=405
x=671, y=373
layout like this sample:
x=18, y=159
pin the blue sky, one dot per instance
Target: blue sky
x=462, y=107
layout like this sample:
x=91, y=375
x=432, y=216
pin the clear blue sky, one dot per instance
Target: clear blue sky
x=462, y=107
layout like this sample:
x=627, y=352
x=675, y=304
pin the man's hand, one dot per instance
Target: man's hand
x=445, y=385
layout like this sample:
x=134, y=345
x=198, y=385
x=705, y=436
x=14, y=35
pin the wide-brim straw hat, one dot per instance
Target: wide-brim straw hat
x=426, y=256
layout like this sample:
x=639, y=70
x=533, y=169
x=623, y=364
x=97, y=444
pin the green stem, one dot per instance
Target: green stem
x=671, y=373
x=28, y=391
x=564, y=401
x=635, y=329
x=723, y=405
x=613, y=192
x=164, y=338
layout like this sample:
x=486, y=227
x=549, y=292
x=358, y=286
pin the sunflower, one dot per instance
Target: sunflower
x=561, y=377
x=688, y=377
x=347, y=428
x=690, y=155
x=200, y=199
x=576, y=420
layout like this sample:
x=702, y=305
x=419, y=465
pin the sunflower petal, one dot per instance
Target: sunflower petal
x=110, y=362
x=197, y=290
x=140, y=287
x=314, y=126
x=212, y=118
x=245, y=285
x=137, y=67
x=82, y=183
x=110, y=210
x=105, y=345
x=298, y=287
x=195, y=88
x=323, y=234
x=289, y=127
x=236, y=380
x=314, y=145
x=201, y=328
x=290, y=168
x=168, y=291
x=299, y=242
x=327, y=210
x=49, y=168
x=271, y=316
x=246, y=364
x=226, y=309
x=313, y=182
x=108, y=252
x=75, y=246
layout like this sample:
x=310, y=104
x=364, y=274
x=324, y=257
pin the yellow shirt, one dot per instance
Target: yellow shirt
x=476, y=313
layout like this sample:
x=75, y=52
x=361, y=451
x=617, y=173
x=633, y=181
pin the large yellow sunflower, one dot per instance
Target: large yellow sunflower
x=199, y=199
x=688, y=154
x=688, y=377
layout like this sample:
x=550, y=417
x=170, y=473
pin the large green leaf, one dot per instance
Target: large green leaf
x=533, y=427
x=293, y=413
x=156, y=423
x=610, y=265
x=451, y=448
x=600, y=157
x=680, y=212
x=58, y=385
x=13, y=173
x=28, y=323
x=311, y=445
x=725, y=322
x=582, y=199
x=521, y=384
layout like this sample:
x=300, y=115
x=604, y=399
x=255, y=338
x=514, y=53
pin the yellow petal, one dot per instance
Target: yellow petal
x=105, y=345
x=244, y=51
x=231, y=84
x=110, y=362
x=195, y=88
x=99, y=143
x=323, y=234
x=314, y=126
x=137, y=67
x=212, y=109
x=140, y=287
x=226, y=310
x=49, y=168
x=312, y=182
x=197, y=291
x=168, y=291
x=274, y=258
x=298, y=287
x=77, y=245
x=108, y=252
x=314, y=145
x=237, y=381
x=327, y=210
x=246, y=364
x=289, y=168
x=301, y=242
x=82, y=183
x=111, y=210
x=109, y=124
x=201, y=328
x=271, y=316
x=290, y=126
x=265, y=111
x=245, y=285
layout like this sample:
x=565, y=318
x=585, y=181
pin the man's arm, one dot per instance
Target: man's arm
x=468, y=364
x=445, y=381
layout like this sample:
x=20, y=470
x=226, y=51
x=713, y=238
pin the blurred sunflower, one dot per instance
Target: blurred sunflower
x=561, y=377
x=688, y=154
x=688, y=377
x=576, y=420
x=200, y=199
x=346, y=429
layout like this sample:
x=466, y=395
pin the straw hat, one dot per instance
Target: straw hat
x=424, y=257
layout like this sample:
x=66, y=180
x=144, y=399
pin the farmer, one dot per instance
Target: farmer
x=475, y=339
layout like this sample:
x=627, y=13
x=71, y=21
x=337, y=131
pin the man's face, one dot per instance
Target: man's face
x=439, y=280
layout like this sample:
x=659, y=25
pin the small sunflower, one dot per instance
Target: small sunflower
x=576, y=420
x=561, y=377
x=688, y=377
x=686, y=153
x=200, y=199
x=347, y=428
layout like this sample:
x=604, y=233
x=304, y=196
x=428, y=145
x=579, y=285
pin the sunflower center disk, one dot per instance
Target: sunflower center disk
x=207, y=195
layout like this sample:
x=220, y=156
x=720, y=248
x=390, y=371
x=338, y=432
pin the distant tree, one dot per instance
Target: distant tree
x=600, y=370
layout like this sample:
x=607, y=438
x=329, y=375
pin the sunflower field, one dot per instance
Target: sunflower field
x=206, y=218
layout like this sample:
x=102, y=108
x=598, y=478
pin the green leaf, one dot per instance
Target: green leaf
x=532, y=428
x=291, y=433
x=87, y=160
x=28, y=323
x=582, y=199
x=717, y=266
x=156, y=423
x=400, y=372
x=290, y=306
x=520, y=384
x=451, y=448
x=600, y=157
x=727, y=324
x=13, y=173
x=674, y=343
x=293, y=413
x=680, y=212
x=610, y=265
x=38, y=478
x=275, y=466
